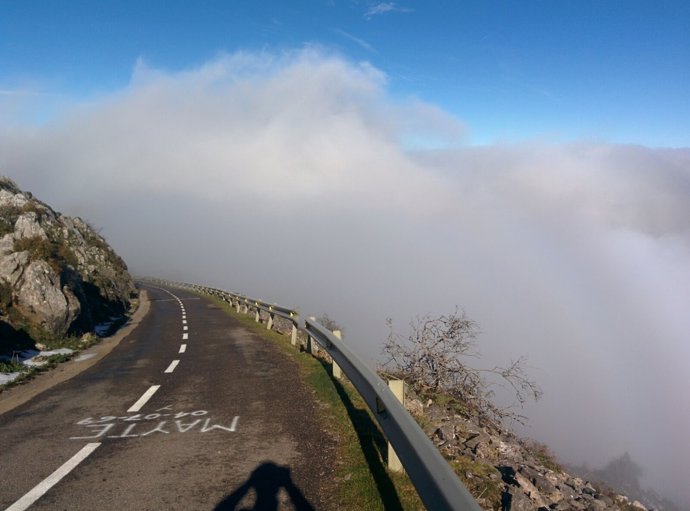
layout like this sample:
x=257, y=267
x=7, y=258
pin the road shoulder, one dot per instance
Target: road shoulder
x=14, y=396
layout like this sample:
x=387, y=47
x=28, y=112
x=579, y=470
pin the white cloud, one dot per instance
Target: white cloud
x=289, y=176
x=360, y=42
x=383, y=8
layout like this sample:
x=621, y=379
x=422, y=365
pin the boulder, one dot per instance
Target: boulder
x=542, y=483
x=597, y=505
x=7, y=244
x=12, y=267
x=530, y=490
x=27, y=226
x=515, y=500
x=475, y=438
x=442, y=435
x=44, y=302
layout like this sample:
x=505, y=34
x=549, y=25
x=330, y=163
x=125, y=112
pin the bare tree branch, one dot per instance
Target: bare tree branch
x=431, y=358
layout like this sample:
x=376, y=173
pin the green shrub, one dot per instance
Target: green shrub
x=38, y=247
x=482, y=480
x=5, y=227
x=11, y=366
x=8, y=217
x=57, y=254
x=31, y=207
x=66, y=255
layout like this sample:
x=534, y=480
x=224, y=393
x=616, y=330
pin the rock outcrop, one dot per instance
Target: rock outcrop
x=57, y=275
x=505, y=472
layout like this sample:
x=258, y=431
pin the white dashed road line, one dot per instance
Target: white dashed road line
x=38, y=491
x=143, y=399
x=44, y=486
x=172, y=366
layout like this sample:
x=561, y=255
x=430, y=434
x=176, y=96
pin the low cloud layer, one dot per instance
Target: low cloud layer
x=296, y=177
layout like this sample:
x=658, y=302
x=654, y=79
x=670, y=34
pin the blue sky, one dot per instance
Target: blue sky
x=554, y=70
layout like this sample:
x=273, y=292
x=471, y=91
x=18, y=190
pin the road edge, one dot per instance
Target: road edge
x=20, y=394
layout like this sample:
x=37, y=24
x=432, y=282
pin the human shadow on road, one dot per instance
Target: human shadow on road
x=266, y=480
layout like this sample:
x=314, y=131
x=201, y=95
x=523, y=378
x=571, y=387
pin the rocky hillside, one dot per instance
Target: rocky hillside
x=505, y=472
x=57, y=275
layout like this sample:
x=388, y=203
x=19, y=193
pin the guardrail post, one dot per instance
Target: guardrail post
x=269, y=323
x=293, y=337
x=311, y=344
x=398, y=389
x=337, y=372
x=257, y=316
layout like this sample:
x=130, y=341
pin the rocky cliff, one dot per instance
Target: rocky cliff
x=57, y=275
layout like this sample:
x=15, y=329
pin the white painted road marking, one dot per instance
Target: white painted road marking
x=143, y=429
x=184, y=321
x=143, y=399
x=185, y=337
x=172, y=366
x=38, y=491
x=183, y=348
x=185, y=327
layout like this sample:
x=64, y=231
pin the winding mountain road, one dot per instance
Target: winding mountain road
x=190, y=411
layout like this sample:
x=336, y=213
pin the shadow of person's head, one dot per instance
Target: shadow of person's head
x=266, y=480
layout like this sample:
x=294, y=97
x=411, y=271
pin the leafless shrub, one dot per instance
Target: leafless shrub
x=330, y=323
x=432, y=359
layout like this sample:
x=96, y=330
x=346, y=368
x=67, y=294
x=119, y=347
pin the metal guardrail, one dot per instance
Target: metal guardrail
x=271, y=308
x=436, y=483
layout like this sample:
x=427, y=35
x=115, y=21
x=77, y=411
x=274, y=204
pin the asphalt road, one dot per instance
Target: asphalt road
x=189, y=411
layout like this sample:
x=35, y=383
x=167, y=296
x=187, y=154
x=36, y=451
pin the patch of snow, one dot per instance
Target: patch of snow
x=59, y=351
x=41, y=358
x=8, y=377
x=102, y=329
x=86, y=356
